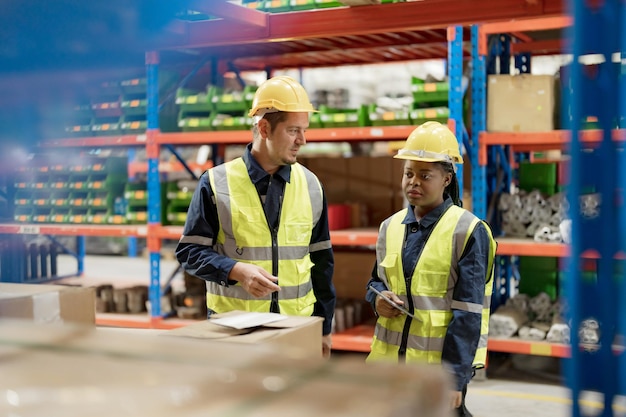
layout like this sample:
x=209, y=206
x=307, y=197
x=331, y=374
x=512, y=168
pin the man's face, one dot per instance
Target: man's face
x=285, y=139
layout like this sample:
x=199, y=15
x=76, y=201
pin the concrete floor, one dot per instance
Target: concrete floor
x=514, y=385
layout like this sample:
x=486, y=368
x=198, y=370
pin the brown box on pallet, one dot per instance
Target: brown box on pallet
x=302, y=335
x=520, y=103
x=71, y=371
x=47, y=303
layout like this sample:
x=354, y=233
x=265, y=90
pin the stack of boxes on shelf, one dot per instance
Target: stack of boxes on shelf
x=87, y=190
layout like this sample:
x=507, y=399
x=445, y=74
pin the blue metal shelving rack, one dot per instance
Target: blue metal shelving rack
x=455, y=91
x=154, y=181
x=597, y=291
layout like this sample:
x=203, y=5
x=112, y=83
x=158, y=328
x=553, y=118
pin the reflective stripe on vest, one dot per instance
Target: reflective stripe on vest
x=433, y=281
x=245, y=236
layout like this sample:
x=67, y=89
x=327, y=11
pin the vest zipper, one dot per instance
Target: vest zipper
x=274, y=306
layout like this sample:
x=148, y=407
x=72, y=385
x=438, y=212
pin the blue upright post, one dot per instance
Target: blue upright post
x=479, y=96
x=455, y=91
x=622, y=211
x=154, y=182
x=593, y=297
x=132, y=241
x=80, y=254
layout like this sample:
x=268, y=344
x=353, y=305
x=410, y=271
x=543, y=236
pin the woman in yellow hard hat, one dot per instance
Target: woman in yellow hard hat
x=257, y=226
x=434, y=259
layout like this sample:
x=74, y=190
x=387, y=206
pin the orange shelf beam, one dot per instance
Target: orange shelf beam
x=168, y=232
x=339, y=134
x=526, y=347
x=521, y=25
x=354, y=237
x=537, y=141
x=528, y=247
x=75, y=229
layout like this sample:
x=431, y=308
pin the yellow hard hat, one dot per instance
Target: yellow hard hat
x=431, y=142
x=280, y=93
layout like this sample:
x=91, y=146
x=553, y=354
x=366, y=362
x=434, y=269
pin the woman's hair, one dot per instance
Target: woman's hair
x=453, y=188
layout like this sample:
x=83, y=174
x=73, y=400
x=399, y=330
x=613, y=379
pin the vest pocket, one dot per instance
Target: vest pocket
x=297, y=233
x=306, y=296
x=431, y=282
x=439, y=321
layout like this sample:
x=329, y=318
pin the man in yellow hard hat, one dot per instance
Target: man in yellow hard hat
x=434, y=260
x=257, y=226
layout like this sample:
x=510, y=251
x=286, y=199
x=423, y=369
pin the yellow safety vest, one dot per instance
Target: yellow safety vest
x=245, y=236
x=432, y=286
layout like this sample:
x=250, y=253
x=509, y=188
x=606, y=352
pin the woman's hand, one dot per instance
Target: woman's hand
x=383, y=308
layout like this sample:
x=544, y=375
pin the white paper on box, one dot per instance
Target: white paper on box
x=46, y=307
x=248, y=320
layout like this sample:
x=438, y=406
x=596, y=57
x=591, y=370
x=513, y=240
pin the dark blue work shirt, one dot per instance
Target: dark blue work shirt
x=201, y=260
x=463, y=332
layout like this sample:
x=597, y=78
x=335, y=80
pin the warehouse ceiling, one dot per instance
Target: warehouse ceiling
x=50, y=49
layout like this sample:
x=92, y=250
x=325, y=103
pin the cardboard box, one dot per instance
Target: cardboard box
x=298, y=335
x=47, y=303
x=353, y=269
x=62, y=370
x=520, y=103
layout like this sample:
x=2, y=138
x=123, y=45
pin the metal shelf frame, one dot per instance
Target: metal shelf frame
x=592, y=28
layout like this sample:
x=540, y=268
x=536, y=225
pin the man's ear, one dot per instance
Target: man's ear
x=264, y=127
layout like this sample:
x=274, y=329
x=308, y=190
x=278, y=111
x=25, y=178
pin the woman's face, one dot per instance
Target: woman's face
x=423, y=184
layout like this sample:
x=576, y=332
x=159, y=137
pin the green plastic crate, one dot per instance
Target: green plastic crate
x=78, y=215
x=134, y=107
x=435, y=114
x=231, y=102
x=433, y=93
x=296, y=5
x=534, y=282
x=538, y=263
x=231, y=123
x=192, y=101
x=387, y=118
x=327, y=3
x=106, y=127
x=195, y=124
x=540, y=176
x=344, y=117
x=275, y=6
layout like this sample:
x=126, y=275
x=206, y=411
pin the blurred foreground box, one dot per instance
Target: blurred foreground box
x=63, y=370
x=302, y=336
x=48, y=303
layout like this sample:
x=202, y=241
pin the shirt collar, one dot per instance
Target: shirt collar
x=430, y=218
x=257, y=173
